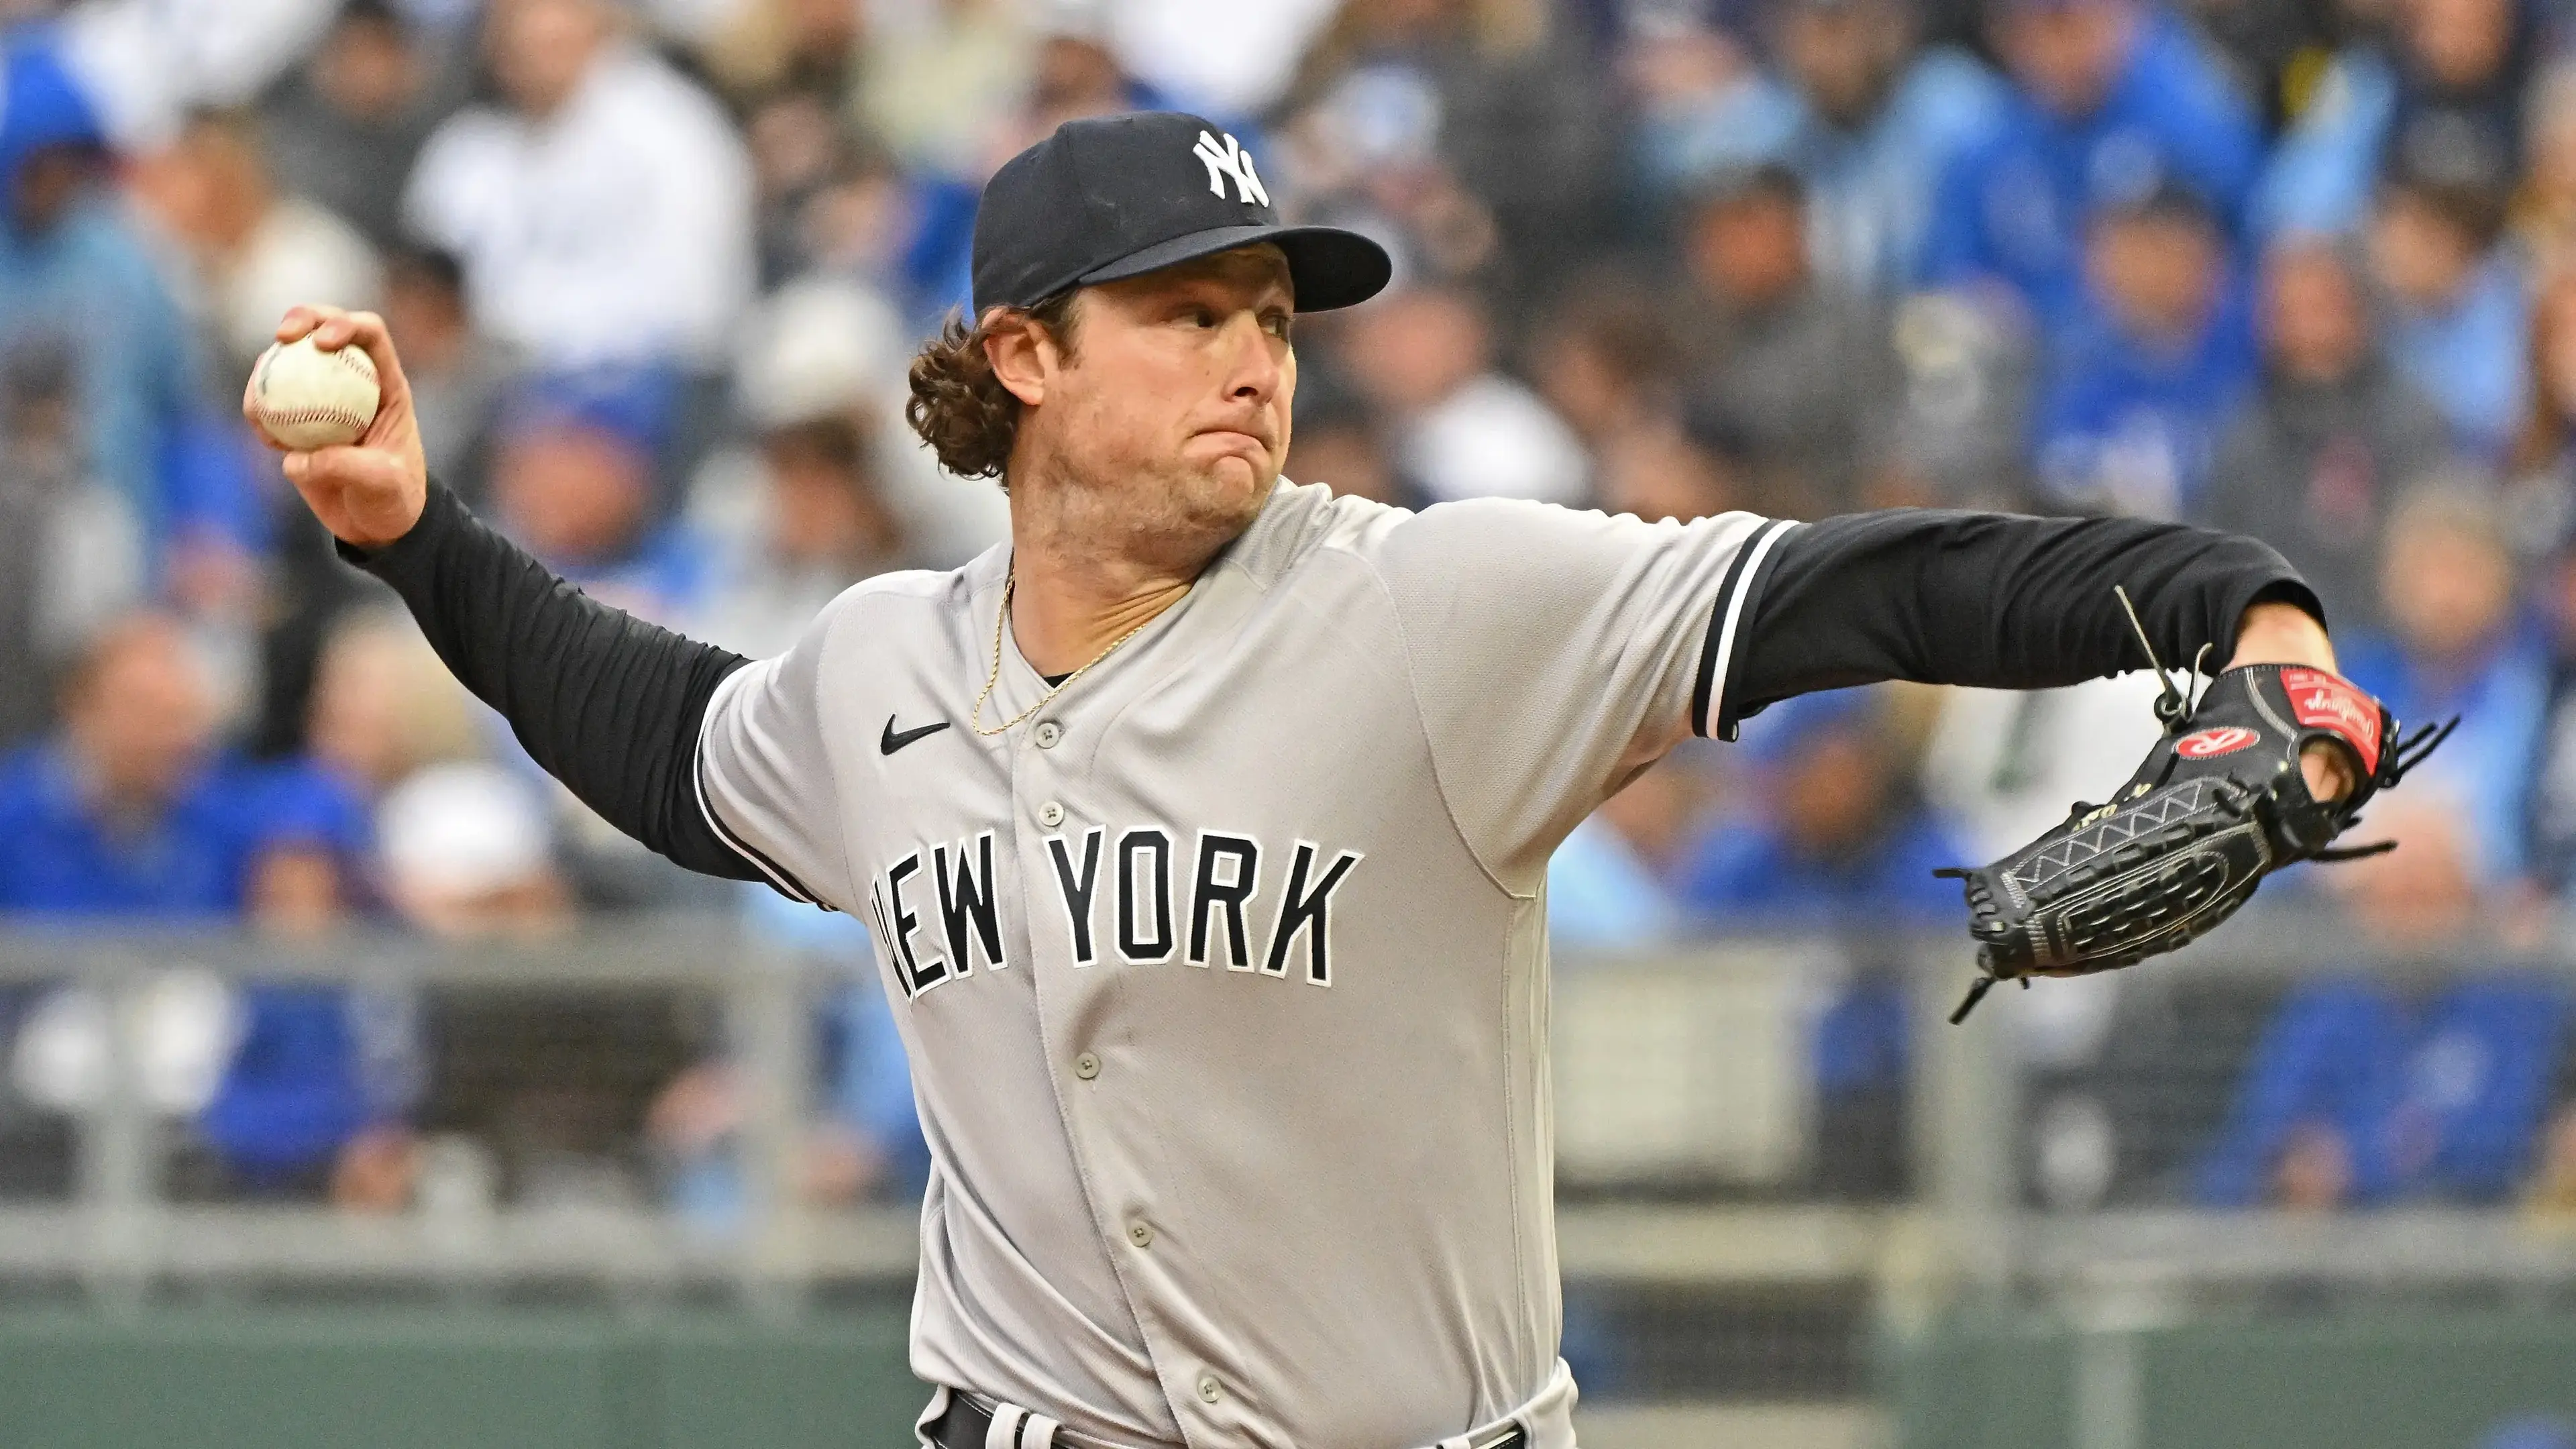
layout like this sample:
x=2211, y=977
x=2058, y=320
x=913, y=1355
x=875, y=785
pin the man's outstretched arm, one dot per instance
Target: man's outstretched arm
x=2003, y=601
x=608, y=704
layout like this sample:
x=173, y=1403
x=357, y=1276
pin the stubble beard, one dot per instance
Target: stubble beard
x=1171, y=520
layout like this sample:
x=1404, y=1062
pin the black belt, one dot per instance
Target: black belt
x=969, y=1425
x=966, y=1423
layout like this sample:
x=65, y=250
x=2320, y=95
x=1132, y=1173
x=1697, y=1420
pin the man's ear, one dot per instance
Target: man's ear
x=1023, y=356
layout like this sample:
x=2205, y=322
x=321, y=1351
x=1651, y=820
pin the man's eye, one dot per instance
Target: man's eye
x=1278, y=324
x=1201, y=317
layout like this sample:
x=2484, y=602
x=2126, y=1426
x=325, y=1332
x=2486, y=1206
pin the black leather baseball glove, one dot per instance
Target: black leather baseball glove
x=2219, y=804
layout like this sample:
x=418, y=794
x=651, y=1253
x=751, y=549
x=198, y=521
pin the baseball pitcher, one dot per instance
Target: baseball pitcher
x=1202, y=826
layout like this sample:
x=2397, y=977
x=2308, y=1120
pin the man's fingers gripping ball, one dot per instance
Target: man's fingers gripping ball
x=331, y=396
x=303, y=398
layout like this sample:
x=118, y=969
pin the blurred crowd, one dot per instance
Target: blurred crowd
x=2300, y=268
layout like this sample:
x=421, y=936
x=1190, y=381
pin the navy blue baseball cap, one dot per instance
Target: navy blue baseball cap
x=1108, y=197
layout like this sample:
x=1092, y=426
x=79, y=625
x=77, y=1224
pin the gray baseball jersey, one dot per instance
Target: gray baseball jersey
x=1225, y=975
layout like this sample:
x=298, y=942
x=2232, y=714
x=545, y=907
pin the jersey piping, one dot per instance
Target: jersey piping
x=1717, y=653
x=779, y=877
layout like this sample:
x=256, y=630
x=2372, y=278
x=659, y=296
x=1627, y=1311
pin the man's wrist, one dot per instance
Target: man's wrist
x=436, y=503
x=2274, y=631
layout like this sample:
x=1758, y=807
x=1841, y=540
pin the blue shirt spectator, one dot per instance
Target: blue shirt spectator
x=2499, y=694
x=2321, y=175
x=1842, y=842
x=74, y=276
x=2159, y=356
x=1840, y=837
x=59, y=856
x=575, y=481
x=2456, y=645
x=2475, y=1087
x=2458, y=71
x=297, y=1089
x=125, y=815
x=2468, y=354
x=2114, y=100
x=870, y=1090
x=305, y=1078
x=2549, y=809
x=1867, y=121
x=2446, y=1106
x=2458, y=323
x=1760, y=874
x=868, y=1084
x=2323, y=1082
x=1610, y=885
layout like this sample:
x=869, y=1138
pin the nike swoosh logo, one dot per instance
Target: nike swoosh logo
x=890, y=742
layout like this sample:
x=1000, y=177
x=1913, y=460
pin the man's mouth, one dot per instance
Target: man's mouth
x=1241, y=438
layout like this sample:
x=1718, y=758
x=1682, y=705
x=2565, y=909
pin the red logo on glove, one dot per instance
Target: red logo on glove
x=2224, y=740
x=2324, y=702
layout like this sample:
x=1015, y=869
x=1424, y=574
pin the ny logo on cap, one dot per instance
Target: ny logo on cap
x=1230, y=160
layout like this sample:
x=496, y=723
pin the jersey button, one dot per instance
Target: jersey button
x=1086, y=1066
x=1141, y=1233
x=1050, y=815
x=1209, y=1389
x=1048, y=732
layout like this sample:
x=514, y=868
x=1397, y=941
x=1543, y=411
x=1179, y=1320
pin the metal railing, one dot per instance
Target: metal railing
x=119, y=1232
x=1965, y=1224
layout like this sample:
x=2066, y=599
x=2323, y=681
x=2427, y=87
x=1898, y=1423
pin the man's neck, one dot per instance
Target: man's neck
x=119, y=811
x=1064, y=615
x=1080, y=582
x=1854, y=113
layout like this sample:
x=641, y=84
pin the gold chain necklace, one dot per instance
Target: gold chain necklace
x=1001, y=621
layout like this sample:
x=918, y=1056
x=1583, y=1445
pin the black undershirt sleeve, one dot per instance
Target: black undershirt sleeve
x=1989, y=599
x=605, y=702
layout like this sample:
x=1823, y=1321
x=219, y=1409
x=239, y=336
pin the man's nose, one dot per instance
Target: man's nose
x=1252, y=361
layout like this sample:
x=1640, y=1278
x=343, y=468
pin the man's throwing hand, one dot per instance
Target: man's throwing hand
x=368, y=493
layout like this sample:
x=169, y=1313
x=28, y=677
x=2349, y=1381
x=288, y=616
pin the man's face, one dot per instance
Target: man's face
x=823, y=504
x=211, y=188
x=1657, y=472
x=1173, y=401
x=142, y=716
x=540, y=49
x=1410, y=350
x=2067, y=53
x=2312, y=314
x=572, y=492
x=48, y=183
x=355, y=722
x=2160, y=275
x=1750, y=250
x=1834, y=791
x=2447, y=589
x=1842, y=55
x=2459, y=42
x=2420, y=254
x=367, y=68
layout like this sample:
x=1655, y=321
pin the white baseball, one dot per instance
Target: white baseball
x=308, y=398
